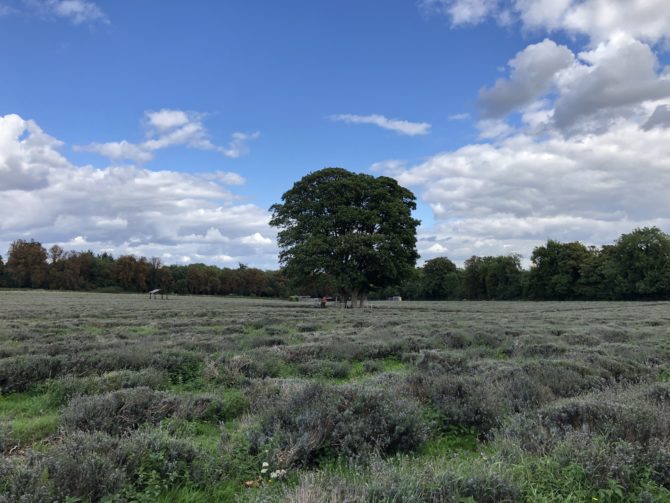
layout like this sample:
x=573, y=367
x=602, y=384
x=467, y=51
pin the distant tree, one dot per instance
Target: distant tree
x=254, y=281
x=124, y=272
x=142, y=275
x=230, y=281
x=503, y=277
x=155, y=266
x=2, y=272
x=196, y=279
x=354, y=227
x=27, y=264
x=164, y=279
x=599, y=277
x=474, y=278
x=276, y=284
x=556, y=270
x=441, y=279
x=414, y=286
x=642, y=260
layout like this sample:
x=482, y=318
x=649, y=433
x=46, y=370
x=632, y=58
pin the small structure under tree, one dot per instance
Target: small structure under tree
x=153, y=294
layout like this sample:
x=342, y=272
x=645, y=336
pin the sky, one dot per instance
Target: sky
x=168, y=129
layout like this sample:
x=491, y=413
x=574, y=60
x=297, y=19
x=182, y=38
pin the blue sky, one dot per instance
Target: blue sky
x=168, y=128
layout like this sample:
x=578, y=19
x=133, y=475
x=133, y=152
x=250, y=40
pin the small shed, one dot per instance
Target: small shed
x=153, y=294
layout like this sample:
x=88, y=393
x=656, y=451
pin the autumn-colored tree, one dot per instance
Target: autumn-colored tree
x=124, y=269
x=27, y=264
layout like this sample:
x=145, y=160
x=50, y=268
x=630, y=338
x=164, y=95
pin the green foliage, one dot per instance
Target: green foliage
x=356, y=228
x=369, y=249
x=442, y=280
x=493, y=278
x=642, y=261
x=556, y=270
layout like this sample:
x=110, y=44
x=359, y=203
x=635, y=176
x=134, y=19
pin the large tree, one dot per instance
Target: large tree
x=356, y=228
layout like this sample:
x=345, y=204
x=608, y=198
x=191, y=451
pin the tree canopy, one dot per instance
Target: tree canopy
x=356, y=228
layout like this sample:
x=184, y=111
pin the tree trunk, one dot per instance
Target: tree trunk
x=361, y=300
x=354, y=298
x=343, y=299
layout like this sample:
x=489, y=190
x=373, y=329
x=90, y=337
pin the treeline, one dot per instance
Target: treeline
x=30, y=265
x=635, y=267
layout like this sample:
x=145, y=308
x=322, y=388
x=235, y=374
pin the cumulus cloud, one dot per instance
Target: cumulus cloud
x=602, y=88
x=399, y=126
x=553, y=88
x=532, y=73
x=647, y=20
x=513, y=195
x=390, y=167
x=26, y=153
x=169, y=128
x=165, y=119
x=124, y=209
x=76, y=11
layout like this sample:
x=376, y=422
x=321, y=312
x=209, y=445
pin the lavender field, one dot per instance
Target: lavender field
x=122, y=398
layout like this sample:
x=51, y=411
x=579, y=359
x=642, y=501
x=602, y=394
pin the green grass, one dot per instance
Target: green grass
x=457, y=439
x=26, y=431
x=30, y=417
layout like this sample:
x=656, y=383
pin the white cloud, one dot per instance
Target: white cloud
x=647, y=20
x=553, y=88
x=122, y=209
x=390, y=167
x=119, y=150
x=513, y=195
x=461, y=11
x=532, y=75
x=75, y=11
x=170, y=128
x=26, y=153
x=399, y=126
x=166, y=119
x=491, y=129
x=238, y=145
x=257, y=239
x=601, y=88
x=229, y=178
x=459, y=117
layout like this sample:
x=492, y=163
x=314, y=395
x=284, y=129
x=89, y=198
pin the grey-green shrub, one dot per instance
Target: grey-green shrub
x=351, y=422
x=124, y=410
